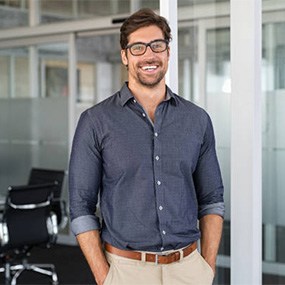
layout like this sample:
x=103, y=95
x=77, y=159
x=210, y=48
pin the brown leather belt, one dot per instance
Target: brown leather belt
x=151, y=257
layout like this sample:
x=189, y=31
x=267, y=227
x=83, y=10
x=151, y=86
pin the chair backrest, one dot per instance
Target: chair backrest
x=27, y=215
x=41, y=176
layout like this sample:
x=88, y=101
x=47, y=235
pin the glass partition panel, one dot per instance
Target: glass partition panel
x=54, y=11
x=204, y=78
x=218, y=105
x=188, y=63
x=273, y=135
x=13, y=13
x=33, y=130
x=14, y=73
x=99, y=69
x=4, y=76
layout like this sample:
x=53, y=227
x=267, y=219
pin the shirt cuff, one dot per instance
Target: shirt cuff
x=84, y=224
x=212, y=209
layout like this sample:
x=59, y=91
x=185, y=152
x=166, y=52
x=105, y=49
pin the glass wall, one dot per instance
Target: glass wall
x=273, y=135
x=54, y=10
x=204, y=78
x=218, y=104
x=100, y=70
x=188, y=63
x=13, y=13
x=34, y=129
x=208, y=61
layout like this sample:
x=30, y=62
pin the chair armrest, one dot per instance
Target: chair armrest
x=64, y=218
x=4, y=235
x=28, y=206
x=60, y=209
x=52, y=227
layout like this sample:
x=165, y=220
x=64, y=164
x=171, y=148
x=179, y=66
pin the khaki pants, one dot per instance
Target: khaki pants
x=191, y=270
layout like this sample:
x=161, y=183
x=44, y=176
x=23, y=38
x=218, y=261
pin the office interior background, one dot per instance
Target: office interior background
x=59, y=57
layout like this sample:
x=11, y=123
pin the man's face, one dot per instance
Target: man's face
x=148, y=69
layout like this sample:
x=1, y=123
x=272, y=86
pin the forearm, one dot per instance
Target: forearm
x=211, y=231
x=91, y=246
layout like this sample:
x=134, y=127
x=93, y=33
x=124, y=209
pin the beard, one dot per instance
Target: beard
x=151, y=80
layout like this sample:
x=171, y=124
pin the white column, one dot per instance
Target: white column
x=34, y=12
x=104, y=80
x=75, y=9
x=187, y=78
x=246, y=194
x=168, y=9
x=72, y=86
x=12, y=80
x=33, y=50
x=202, y=64
x=34, y=71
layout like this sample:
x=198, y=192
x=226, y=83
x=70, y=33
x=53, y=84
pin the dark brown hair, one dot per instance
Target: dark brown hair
x=143, y=18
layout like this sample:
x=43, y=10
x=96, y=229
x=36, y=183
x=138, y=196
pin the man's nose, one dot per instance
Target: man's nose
x=148, y=50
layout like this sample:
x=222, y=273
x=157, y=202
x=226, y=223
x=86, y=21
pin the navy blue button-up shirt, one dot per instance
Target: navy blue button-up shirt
x=153, y=180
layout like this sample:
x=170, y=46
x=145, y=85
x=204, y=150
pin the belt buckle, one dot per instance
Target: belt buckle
x=158, y=254
x=156, y=259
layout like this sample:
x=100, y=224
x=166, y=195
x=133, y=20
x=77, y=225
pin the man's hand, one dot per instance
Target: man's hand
x=211, y=231
x=91, y=246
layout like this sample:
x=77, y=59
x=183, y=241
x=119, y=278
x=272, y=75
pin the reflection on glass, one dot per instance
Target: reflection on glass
x=184, y=3
x=14, y=73
x=273, y=137
x=211, y=67
x=33, y=131
x=218, y=105
x=22, y=77
x=100, y=69
x=188, y=63
x=54, y=10
x=13, y=13
x=4, y=76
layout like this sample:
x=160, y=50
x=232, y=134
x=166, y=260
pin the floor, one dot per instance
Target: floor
x=70, y=265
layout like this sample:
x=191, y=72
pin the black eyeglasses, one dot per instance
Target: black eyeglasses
x=140, y=48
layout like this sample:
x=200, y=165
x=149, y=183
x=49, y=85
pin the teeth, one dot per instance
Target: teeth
x=149, y=67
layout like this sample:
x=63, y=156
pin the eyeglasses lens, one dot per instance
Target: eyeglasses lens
x=156, y=46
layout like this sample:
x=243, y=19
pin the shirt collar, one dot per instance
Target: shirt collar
x=126, y=95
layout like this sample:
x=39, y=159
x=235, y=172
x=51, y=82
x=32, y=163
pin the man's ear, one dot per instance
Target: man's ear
x=124, y=57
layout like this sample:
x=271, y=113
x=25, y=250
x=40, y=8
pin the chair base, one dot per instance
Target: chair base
x=12, y=272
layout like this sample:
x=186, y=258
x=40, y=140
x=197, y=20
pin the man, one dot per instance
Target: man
x=150, y=156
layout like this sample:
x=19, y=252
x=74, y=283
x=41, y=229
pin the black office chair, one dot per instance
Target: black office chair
x=40, y=176
x=27, y=221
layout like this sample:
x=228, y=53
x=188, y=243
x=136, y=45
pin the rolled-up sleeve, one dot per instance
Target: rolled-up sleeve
x=84, y=177
x=207, y=177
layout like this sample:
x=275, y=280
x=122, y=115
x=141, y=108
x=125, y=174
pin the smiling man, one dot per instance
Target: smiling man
x=150, y=156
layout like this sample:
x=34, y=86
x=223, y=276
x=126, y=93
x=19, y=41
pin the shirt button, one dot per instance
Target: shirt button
x=164, y=232
x=158, y=182
x=162, y=248
x=160, y=208
x=135, y=101
x=156, y=134
x=157, y=157
x=143, y=114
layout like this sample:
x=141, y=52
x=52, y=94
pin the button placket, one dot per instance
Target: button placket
x=158, y=159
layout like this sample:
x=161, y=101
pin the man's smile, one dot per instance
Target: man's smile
x=150, y=67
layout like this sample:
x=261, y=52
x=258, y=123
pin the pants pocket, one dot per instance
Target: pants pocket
x=108, y=279
x=207, y=265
